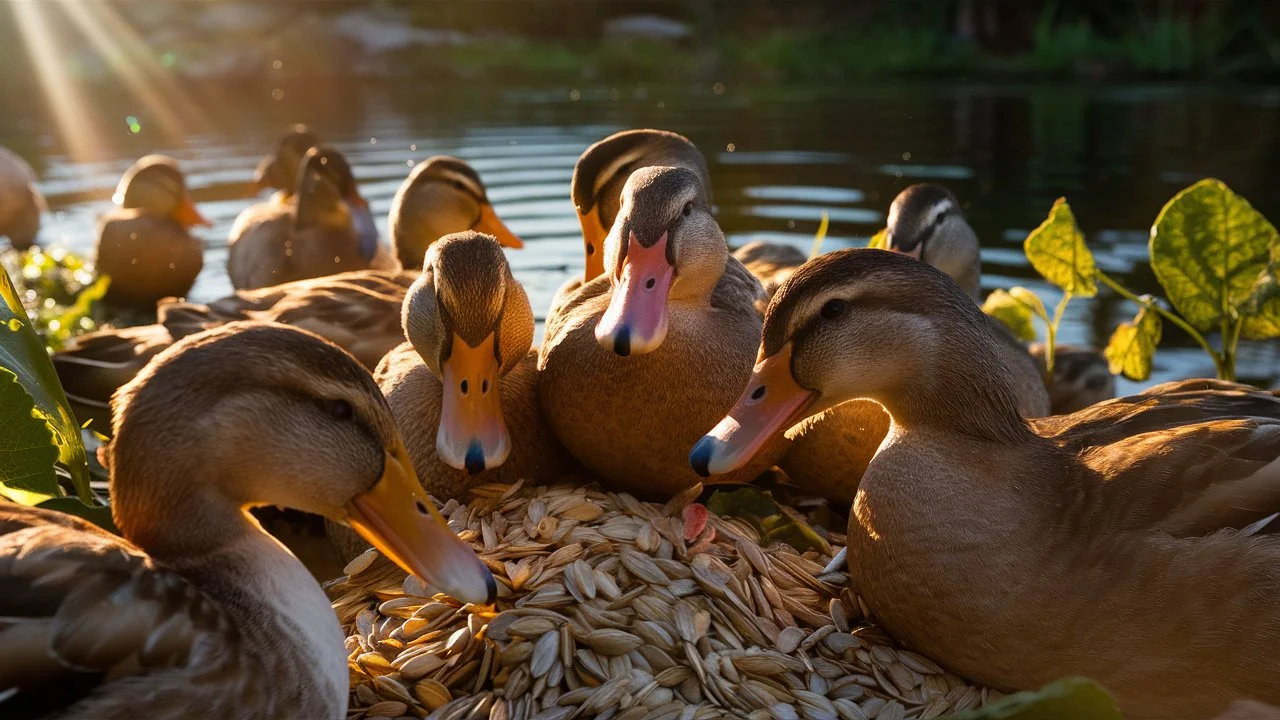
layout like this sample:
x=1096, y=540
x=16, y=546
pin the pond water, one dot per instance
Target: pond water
x=779, y=158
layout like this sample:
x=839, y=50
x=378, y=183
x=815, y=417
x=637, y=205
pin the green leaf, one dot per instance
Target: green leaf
x=1014, y=313
x=819, y=236
x=774, y=524
x=1209, y=248
x=880, y=241
x=1073, y=698
x=27, y=450
x=1262, y=308
x=1133, y=345
x=22, y=351
x=98, y=515
x=1057, y=251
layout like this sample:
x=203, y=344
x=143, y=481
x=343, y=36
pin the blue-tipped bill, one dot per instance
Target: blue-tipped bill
x=771, y=404
x=472, y=435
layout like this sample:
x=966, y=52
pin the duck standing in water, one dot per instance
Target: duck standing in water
x=1124, y=542
x=279, y=170
x=21, y=204
x=638, y=359
x=320, y=233
x=442, y=195
x=146, y=246
x=196, y=610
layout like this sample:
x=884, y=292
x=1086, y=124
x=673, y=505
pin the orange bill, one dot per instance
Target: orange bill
x=188, y=215
x=636, y=319
x=490, y=224
x=472, y=434
x=771, y=404
x=400, y=520
x=593, y=234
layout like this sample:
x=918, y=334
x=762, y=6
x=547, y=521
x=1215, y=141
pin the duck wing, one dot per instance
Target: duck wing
x=85, y=616
x=1187, y=458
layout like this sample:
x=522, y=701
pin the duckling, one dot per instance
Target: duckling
x=21, y=204
x=358, y=311
x=463, y=387
x=320, y=234
x=442, y=195
x=640, y=358
x=1123, y=542
x=280, y=169
x=145, y=247
x=196, y=608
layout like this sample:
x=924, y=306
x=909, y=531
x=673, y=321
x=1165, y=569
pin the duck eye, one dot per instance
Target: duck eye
x=341, y=410
x=688, y=209
x=833, y=309
x=941, y=216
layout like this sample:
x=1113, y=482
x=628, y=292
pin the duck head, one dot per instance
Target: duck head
x=155, y=186
x=856, y=324
x=455, y=199
x=471, y=323
x=254, y=414
x=664, y=248
x=603, y=170
x=925, y=222
x=280, y=169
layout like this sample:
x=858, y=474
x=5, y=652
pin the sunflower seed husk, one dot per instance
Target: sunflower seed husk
x=605, y=611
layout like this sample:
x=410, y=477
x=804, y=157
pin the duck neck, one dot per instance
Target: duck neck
x=968, y=391
x=267, y=593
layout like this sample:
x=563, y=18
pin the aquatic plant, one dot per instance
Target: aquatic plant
x=1215, y=256
x=60, y=291
x=42, y=461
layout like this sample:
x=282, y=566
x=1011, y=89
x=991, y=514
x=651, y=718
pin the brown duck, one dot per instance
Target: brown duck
x=1128, y=542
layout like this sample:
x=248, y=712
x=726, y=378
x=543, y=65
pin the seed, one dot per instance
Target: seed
x=611, y=642
x=361, y=562
x=789, y=639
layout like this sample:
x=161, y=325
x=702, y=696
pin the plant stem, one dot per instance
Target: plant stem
x=1229, y=343
x=1051, y=339
x=1171, y=317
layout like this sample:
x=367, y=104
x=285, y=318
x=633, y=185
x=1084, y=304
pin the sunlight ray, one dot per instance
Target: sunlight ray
x=65, y=100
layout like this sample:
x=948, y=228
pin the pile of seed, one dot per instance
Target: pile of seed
x=606, y=610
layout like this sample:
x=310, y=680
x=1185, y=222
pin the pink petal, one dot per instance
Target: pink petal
x=695, y=519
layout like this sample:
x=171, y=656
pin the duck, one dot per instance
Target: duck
x=1128, y=542
x=320, y=233
x=359, y=311
x=463, y=386
x=641, y=358
x=771, y=263
x=598, y=178
x=279, y=170
x=195, y=606
x=830, y=451
x=21, y=203
x=145, y=246
x=442, y=195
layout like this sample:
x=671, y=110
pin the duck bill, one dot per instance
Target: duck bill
x=490, y=224
x=593, y=235
x=188, y=215
x=771, y=404
x=261, y=177
x=472, y=434
x=635, y=322
x=401, y=521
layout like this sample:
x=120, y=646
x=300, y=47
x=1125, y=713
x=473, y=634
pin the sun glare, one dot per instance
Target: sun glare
x=64, y=97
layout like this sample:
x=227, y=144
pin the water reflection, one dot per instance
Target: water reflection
x=1007, y=152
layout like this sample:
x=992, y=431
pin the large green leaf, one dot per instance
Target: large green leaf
x=1013, y=312
x=1057, y=251
x=1262, y=308
x=1072, y=698
x=1133, y=345
x=27, y=451
x=22, y=351
x=1209, y=249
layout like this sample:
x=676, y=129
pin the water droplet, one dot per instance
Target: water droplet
x=718, y=88
x=661, y=104
x=575, y=94
x=730, y=147
x=373, y=141
x=413, y=146
x=906, y=157
x=277, y=64
x=277, y=94
x=409, y=163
